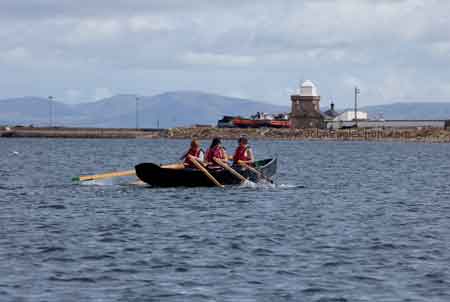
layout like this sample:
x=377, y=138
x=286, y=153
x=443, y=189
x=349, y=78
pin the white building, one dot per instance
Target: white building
x=349, y=115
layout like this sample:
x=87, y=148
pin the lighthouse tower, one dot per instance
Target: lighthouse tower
x=305, y=111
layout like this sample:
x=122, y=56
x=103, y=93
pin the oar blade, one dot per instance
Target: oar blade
x=104, y=175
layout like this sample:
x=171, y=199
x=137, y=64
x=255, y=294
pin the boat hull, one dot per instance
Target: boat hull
x=158, y=176
x=258, y=123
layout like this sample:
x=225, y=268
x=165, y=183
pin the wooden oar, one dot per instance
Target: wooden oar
x=176, y=166
x=121, y=173
x=260, y=174
x=203, y=169
x=229, y=169
x=104, y=175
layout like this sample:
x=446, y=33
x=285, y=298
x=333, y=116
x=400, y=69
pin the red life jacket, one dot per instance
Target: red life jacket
x=241, y=154
x=216, y=152
x=193, y=152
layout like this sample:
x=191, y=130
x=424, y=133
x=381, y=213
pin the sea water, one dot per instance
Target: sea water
x=344, y=221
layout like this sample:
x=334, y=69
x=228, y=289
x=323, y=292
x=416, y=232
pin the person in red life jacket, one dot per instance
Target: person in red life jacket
x=196, y=151
x=243, y=152
x=216, y=151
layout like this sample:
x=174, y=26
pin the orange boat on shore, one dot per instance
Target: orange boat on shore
x=258, y=123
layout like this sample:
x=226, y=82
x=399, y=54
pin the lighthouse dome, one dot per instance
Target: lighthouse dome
x=308, y=89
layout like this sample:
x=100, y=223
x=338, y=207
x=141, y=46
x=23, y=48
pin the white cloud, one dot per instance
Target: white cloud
x=102, y=93
x=17, y=55
x=73, y=95
x=441, y=49
x=388, y=47
x=221, y=60
x=149, y=23
x=445, y=89
x=350, y=82
x=94, y=30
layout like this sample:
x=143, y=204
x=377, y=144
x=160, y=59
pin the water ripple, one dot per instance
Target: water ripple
x=346, y=221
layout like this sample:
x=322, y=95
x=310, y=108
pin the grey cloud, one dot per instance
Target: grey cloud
x=72, y=8
x=258, y=48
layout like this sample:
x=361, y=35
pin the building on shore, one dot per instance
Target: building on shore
x=331, y=113
x=349, y=115
x=305, y=112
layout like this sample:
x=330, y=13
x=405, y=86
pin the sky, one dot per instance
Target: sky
x=79, y=51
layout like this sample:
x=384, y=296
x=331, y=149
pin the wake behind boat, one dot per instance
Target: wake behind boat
x=178, y=176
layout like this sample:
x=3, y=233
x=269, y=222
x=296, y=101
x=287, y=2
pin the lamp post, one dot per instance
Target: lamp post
x=137, y=113
x=50, y=110
x=357, y=91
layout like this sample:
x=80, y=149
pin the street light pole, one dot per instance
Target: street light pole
x=357, y=91
x=50, y=110
x=137, y=113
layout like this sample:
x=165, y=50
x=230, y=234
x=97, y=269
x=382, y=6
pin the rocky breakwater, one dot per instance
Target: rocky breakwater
x=65, y=132
x=434, y=135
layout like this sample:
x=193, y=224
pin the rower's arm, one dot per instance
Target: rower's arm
x=201, y=156
x=250, y=155
x=225, y=154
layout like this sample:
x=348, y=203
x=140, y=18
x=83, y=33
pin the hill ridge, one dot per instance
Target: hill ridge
x=179, y=108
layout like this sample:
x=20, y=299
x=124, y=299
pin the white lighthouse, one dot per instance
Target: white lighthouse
x=305, y=111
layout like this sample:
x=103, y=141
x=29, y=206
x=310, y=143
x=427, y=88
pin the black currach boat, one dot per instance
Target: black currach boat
x=161, y=176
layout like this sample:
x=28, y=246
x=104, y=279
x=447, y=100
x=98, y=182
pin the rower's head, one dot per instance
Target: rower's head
x=243, y=141
x=195, y=144
x=215, y=142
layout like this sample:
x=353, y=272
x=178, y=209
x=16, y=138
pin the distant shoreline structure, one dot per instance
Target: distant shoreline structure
x=185, y=108
x=417, y=134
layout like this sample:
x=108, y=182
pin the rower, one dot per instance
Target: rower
x=243, y=153
x=196, y=151
x=215, y=151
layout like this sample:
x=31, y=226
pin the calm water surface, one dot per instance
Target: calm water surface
x=345, y=222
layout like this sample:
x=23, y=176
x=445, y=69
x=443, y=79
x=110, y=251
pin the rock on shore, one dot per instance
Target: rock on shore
x=388, y=134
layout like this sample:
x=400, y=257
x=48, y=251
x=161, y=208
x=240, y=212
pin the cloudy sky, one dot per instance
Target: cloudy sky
x=80, y=51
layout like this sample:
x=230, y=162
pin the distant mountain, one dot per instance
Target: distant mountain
x=180, y=108
x=32, y=110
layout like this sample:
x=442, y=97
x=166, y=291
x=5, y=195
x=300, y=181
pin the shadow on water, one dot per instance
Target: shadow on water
x=263, y=185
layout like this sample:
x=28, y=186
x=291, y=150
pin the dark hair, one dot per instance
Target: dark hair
x=243, y=139
x=195, y=143
x=216, y=141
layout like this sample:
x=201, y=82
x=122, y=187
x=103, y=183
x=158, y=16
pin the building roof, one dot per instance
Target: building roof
x=331, y=113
